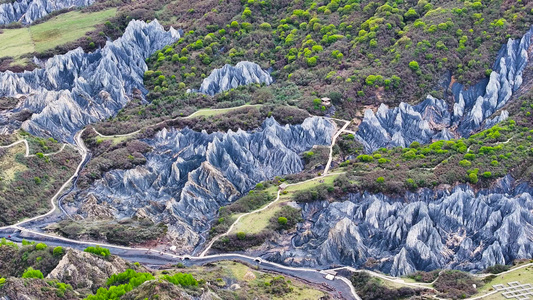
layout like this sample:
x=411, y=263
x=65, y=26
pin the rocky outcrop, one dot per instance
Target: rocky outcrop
x=84, y=270
x=229, y=77
x=189, y=175
x=79, y=88
x=427, y=230
x=434, y=120
x=27, y=11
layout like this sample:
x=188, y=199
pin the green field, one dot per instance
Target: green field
x=213, y=112
x=59, y=30
x=523, y=275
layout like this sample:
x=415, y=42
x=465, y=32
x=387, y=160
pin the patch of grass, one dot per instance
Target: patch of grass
x=257, y=222
x=213, y=112
x=16, y=42
x=58, y=30
x=9, y=166
x=523, y=275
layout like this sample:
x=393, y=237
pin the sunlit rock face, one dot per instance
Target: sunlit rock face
x=27, y=11
x=433, y=119
x=79, y=88
x=229, y=77
x=427, y=230
x=189, y=175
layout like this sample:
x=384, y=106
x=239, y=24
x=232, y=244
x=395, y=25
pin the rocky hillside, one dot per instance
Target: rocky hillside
x=27, y=11
x=426, y=230
x=75, y=89
x=189, y=175
x=433, y=119
x=86, y=275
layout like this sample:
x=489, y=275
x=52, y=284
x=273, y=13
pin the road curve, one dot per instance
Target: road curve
x=84, y=153
x=334, y=140
x=158, y=258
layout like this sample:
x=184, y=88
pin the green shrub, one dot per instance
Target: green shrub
x=380, y=180
x=40, y=246
x=2, y=281
x=241, y=235
x=126, y=281
x=32, y=273
x=470, y=156
x=182, y=279
x=487, y=174
x=317, y=48
x=265, y=26
x=246, y=13
x=472, y=177
x=58, y=251
x=282, y=221
x=4, y=242
x=414, y=145
x=465, y=163
x=100, y=251
x=382, y=161
x=365, y=158
x=411, y=154
x=127, y=277
x=312, y=61
x=414, y=65
x=411, y=14
x=410, y=183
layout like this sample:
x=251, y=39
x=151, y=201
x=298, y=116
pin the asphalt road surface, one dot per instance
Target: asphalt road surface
x=155, y=259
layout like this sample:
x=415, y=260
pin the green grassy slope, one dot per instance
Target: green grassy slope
x=61, y=29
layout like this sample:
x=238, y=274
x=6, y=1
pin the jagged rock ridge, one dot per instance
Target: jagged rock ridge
x=79, y=88
x=427, y=230
x=229, y=77
x=27, y=11
x=433, y=120
x=189, y=175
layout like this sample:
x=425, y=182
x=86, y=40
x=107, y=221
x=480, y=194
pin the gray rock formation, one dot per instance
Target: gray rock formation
x=27, y=11
x=434, y=120
x=79, y=88
x=190, y=175
x=229, y=77
x=428, y=230
x=84, y=270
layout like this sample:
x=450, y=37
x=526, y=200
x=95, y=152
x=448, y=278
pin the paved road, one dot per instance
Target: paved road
x=156, y=259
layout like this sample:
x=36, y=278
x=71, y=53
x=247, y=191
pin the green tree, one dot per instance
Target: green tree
x=246, y=13
x=411, y=14
x=265, y=26
x=32, y=273
x=100, y=251
x=282, y=221
x=241, y=235
x=414, y=65
x=472, y=177
x=58, y=251
x=40, y=246
x=380, y=180
x=312, y=61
